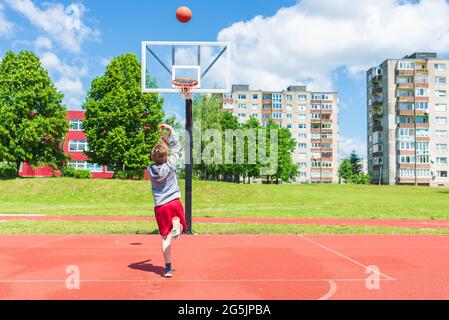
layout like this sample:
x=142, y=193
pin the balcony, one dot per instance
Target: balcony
x=408, y=112
x=405, y=72
x=377, y=128
x=377, y=78
x=422, y=99
x=378, y=154
x=377, y=104
x=407, y=85
x=422, y=71
x=377, y=90
x=406, y=98
x=422, y=85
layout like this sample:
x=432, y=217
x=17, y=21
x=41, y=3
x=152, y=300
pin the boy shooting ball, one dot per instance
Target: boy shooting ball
x=168, y=209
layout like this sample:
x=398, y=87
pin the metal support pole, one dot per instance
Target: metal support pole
x=188, y=166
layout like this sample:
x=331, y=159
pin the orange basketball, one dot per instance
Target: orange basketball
x=183, y=14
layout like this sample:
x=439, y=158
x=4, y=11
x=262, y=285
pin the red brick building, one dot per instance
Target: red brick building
x=75, y=144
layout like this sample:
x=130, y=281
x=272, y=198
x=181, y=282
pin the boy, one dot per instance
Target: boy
x=168, y=207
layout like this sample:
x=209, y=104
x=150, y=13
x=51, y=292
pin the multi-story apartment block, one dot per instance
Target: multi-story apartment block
x=312, y=118
x=408, y=121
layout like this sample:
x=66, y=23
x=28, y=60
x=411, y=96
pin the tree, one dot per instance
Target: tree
x=356, y=163
x=345, y=171
x=287, y=169
x=121, y=122
x=346, y=174
x=32, y=117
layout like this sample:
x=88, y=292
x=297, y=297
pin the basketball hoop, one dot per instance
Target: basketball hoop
x=185, y=87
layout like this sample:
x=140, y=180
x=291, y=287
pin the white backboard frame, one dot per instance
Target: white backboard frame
x=198, y=89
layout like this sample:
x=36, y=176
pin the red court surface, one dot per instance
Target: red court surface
x=421, y=224
x=225, y=267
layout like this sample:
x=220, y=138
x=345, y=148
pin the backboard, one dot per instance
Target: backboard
x=206, y=62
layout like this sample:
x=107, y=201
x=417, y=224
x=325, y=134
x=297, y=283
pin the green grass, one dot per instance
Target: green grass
x=77, y=227
x=70, y=197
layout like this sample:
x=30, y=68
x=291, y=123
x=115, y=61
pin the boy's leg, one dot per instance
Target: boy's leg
x=166, y=250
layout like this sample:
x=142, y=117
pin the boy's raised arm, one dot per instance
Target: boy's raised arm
x=175, y=146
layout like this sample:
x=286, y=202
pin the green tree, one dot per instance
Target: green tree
x=32, y=117
x=345, y=171
x=287, y=169
x=121, y=122
x=356, y=163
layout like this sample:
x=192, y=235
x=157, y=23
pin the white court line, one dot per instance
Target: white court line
x=36, y=245
x=197, y=280
x=332, y=291
x=343, y=256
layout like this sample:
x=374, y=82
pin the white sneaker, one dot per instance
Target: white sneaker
x=177, y=228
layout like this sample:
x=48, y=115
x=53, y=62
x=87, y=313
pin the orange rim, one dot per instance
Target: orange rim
x=185, y=82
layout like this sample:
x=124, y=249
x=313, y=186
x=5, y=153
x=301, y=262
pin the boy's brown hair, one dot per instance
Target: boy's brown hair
x=159, y=155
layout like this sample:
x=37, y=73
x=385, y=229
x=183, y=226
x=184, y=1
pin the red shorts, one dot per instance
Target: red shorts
x=165, y=214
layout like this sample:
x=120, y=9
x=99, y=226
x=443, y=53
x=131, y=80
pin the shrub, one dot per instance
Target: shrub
x=68, y=172
x=82, y=174
x=137, y=174
x=8, y=171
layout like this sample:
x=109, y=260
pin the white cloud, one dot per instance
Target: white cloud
x=307, y=42
x=63, y=25
x=69, y=77
x=105, y=61
x=43, y=43
x=6, y=26
x=347, y=145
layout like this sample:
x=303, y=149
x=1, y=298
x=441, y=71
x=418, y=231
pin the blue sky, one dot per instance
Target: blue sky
x=326, y=44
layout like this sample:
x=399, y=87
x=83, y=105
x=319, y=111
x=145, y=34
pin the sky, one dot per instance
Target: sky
x=325, y=44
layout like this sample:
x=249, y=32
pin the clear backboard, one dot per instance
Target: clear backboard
x=206, y=63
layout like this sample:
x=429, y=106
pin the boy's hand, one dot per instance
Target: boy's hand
x=167, y=128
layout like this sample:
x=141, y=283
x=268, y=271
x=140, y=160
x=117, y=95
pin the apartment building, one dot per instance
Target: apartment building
x=408, y=121
x=312, y=118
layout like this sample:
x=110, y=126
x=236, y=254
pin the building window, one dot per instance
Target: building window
x=302, y=126
x=242, y=106
x=440, y=80
x=227, y=96
x=440, y=67
x=255, y=115
x=242, y=115
x=265, y=116
x=277, y=115
x=277, y=98
x=440, y=93
x=441, y=147
x=405, y=65
x=441, y=120
x=289, y=116
x=442, y=174
x=255, y=96
x=266, y=107
x=422, y=132
x=302, y=136
x=302, y=145
x=442, y=160
x=302, y=97
x=255, y=106
x=84, y=165
x=421, y=92
x=422, y=106
x=302, y=107
x=441, y=133
x=320, y=96
x=302, y=117
x=78, y=145
x=228, y=106
x=289, y=107
x=76, y=125
x=440, y=107
x=242, y=96
x=289, y=98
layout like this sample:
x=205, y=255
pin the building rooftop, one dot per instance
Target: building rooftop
x=422, y=55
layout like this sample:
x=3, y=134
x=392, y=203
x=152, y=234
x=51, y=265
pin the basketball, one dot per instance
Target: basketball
x=183, y=14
